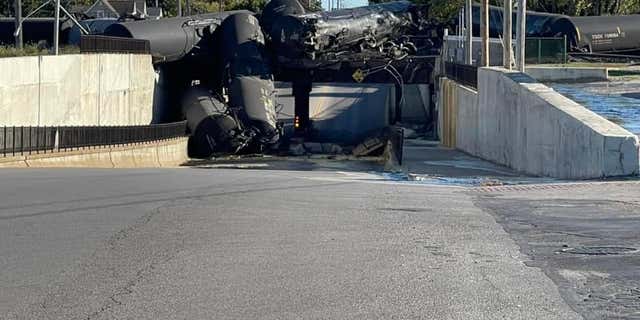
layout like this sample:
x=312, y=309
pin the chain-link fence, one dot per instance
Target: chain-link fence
x=546, y=50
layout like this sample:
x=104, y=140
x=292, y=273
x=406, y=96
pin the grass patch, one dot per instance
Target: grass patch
x=34, y=50
x=623, y=73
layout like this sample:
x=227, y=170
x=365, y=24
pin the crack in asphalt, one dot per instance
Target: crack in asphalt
x=189, y=197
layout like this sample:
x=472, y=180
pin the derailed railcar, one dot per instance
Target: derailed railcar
x=214, y=128
x=173, y=39
x=275, y=9
x=329, y=34
x=538, y=24
x=608, y=34
x=597, y=34
x=248, y=78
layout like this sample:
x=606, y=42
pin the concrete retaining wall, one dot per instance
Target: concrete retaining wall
x=417, y=103
x=79, y=89
x=169, y=153
x=573, y=74
x=515, y=121
x=459, y=122
x=342, y=112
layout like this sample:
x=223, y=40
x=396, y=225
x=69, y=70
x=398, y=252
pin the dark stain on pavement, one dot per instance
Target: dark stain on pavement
x=588, y=248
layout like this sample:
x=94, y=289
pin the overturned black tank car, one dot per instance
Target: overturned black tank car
x=382, y=28
x=219, y=68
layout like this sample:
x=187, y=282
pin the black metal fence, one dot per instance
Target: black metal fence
x=462, y=73
x=29, y=140
x=105, y=44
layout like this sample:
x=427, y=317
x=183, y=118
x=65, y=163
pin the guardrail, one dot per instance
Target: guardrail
x=34, y=140
x=105, y=44
x=462, y=73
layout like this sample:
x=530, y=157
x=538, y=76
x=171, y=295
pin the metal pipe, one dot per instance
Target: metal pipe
x=82, y=29
x=19, y=29
x=56, y=29
x=469, y=35
x=484, y=32
x=521, y=34
x=18, y=17
x=459, y=31
x=507, y=33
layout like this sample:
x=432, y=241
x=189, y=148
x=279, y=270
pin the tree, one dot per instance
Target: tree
x=205, y=6
x=445, y=10
x=439, y=10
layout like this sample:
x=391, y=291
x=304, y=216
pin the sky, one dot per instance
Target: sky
x=346, y=3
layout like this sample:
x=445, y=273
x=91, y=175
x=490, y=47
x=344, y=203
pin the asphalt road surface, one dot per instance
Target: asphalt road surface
x=259, y=244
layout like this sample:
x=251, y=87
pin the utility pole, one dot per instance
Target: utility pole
x=468, y=50
x=188, y=6
x=56, y=29
x=521, y=34
x=18, y=17
x=507, y=34
x=484, y=31
x=179, y=8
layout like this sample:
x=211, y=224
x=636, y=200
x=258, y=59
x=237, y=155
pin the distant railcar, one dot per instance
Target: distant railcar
x=597, y=34
x=608, y=34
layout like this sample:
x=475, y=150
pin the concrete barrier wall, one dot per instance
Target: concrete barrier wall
x=515, y=121
x=574, y=74
x=80, y=89
x=168, y=153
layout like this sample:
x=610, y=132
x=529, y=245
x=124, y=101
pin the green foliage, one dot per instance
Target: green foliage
x=205, y=6
x=6, y=7
x=170, y=7
x=439, y=10
x=312, y=5
x=33, y=50
x=586, y=7
x=252, y=5
x=444, y=10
